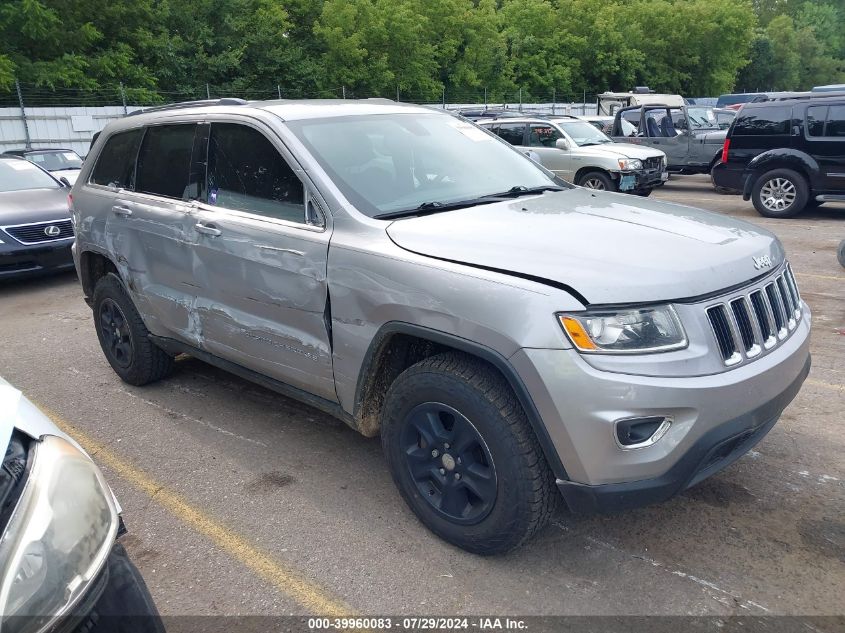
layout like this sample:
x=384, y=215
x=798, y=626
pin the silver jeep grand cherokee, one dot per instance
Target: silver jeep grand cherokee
x=505, y=333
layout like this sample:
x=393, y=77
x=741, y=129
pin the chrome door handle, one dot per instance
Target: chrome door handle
x=207, y=229
x=122, y=210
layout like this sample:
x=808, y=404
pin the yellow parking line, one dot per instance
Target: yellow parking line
x=287, y=580
x=834, y=277
x=821, y=383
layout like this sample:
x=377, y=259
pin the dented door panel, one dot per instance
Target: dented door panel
x=265, y=299
x=151, y=238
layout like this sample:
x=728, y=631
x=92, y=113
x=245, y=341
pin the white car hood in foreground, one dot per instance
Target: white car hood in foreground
x=608, y=247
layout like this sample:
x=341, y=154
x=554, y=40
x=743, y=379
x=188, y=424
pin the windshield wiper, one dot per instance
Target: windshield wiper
x=435, y=206
x=522, y=190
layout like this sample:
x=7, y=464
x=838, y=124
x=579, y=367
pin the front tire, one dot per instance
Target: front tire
x=123, y=336
x=780, y=193
x=840, y=253
x=463, y=455
x=597, y=180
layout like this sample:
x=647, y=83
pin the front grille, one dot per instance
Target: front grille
x=757, y=320
x=653, y=163
x=41, y=232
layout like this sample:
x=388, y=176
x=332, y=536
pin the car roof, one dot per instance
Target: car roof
x=290, y=109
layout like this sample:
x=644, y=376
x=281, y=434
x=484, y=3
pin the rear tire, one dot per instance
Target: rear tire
x=123, y=336
x=597, y=180
x=463, y=455
x=780, y=193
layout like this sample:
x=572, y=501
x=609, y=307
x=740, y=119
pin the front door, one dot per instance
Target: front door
x=541, y=140
x=263, y=262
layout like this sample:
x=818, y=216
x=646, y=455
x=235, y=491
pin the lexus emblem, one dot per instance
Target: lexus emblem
x=52, y=230
x=764, y=261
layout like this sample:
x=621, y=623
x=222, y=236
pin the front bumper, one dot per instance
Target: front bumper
x=641, y=179
x=715, y=450
x=118, y=601
x=716, y=418
x=19, y=260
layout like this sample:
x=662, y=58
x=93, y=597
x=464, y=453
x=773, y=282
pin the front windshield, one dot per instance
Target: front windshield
x=394, y=162
x=702, y=118
x=583, y=133
x=54, y=161
x=18, y=175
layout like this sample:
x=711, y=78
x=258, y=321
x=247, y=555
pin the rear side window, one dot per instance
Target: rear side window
x=826, y=121
x=816, y=116
x=835, y=121
x=247, y=173
x=164, y=162
x=513, y=133
x=763, y=121
x=116, y=164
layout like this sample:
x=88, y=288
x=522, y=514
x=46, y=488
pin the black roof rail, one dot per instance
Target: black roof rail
x=192, y=104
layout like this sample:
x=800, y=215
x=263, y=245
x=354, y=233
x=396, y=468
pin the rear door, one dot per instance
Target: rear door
x=824, y=132
x=149, y=228
x=262, y=248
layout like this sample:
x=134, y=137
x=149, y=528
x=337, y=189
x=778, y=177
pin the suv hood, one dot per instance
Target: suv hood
x=610, y=248
x=618, y=150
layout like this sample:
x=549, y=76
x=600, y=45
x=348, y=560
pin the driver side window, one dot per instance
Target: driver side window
x=543, y=135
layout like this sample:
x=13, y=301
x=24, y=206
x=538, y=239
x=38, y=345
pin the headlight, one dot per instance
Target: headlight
x=630, y=163
x=632, y=331
x=58, y=538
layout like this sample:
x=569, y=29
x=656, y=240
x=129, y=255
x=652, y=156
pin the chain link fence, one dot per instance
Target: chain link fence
x=39, y=116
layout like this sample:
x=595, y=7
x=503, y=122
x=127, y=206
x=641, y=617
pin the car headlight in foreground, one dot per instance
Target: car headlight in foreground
x=58, y=538
x=625, y=331
x=630, y=163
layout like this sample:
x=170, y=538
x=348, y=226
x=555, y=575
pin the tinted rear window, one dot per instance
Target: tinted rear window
x=835, y=121
x=164, y=163
x=763, y=121
x=511, y=132
x=816, y=116
x=116, y=164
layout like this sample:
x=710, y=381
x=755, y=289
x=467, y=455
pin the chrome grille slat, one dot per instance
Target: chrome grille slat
x=757, y=319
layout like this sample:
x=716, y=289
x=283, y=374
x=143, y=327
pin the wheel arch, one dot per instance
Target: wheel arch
x=587, y=169
x=797, y=161
x=398, y=345
x=93, y=266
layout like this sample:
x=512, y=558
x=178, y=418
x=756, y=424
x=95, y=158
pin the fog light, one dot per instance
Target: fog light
x=632, y=433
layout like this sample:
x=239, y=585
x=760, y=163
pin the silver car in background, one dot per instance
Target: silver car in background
x=506, y=334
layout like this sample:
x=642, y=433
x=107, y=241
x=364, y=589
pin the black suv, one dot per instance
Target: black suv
x=786, y=155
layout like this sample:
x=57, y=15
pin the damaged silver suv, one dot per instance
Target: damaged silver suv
x=509, y=336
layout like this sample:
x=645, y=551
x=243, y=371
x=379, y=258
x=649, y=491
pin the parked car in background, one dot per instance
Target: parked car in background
x=62, y=163
x=506, y=334
x=492, y=113
x=35, y=225
x=689, y=135
x=735, y=101
x=786, y=155
x=829, y=88
x=610, y=102
x=61, y=565
x=605, y=124
x=577, y=151
x=724, y=117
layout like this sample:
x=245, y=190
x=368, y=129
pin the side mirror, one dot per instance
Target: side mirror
x=562, y=143
x=681, y=124
x=65, y=181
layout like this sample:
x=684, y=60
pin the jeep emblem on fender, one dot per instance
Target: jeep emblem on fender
x=52, y=230
x=764, y=261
